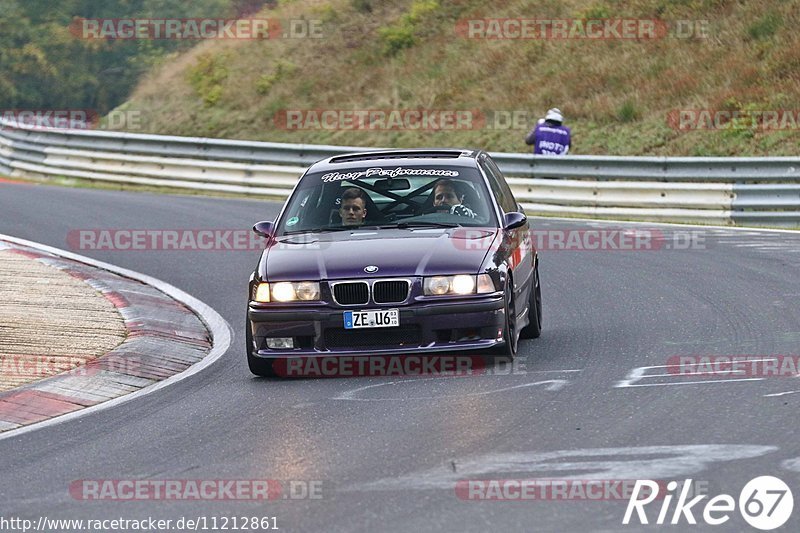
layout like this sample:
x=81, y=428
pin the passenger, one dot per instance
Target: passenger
x=445, y=194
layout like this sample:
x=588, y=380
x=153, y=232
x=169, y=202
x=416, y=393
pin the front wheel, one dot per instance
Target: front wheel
x=510, y=334
x=534, y=328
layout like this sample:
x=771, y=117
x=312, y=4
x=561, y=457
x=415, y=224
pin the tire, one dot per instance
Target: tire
x=510, y=334
x=534, y=328
x=258, y=366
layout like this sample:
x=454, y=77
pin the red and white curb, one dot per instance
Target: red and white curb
x=171, y=336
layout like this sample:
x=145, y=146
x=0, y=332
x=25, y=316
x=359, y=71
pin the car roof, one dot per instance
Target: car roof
x=451, y=157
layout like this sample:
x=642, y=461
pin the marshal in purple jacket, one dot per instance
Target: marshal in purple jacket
x=549, y=138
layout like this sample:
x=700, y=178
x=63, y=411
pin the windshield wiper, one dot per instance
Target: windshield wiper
x=322, y=230
x=421, y=224
x=399, y=225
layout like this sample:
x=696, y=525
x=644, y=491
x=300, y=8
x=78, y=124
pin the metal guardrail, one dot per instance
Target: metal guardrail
x=722, y=190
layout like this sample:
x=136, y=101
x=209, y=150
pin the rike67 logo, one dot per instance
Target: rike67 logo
x=765, y=503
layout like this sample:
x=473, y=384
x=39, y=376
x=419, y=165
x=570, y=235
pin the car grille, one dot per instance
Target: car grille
x=390, y=292
x=351, y=293
x=381, y=337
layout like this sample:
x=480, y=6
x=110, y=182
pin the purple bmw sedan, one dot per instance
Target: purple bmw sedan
x=391, y=253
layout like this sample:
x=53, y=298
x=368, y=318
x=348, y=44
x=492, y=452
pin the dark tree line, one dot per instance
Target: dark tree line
x=44, y=65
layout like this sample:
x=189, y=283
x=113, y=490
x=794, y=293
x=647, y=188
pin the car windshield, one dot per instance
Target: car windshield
x=388, y=197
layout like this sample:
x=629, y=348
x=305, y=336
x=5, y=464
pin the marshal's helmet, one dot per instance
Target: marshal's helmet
x=554, y=115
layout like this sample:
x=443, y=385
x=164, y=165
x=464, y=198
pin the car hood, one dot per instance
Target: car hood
x=343, y=255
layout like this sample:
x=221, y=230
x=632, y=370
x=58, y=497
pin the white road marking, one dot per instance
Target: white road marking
x=688, y=383
x=781, y=393
x=640, y=373
x=220, y=330
x=704, y=363
x=792, y=464
x=689, y=375
x=585, y=464
x=551, y=385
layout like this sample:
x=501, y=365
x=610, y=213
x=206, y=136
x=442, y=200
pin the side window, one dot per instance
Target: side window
x=499, y=186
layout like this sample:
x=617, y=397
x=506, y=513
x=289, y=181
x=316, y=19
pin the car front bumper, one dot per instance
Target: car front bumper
x=424, y=327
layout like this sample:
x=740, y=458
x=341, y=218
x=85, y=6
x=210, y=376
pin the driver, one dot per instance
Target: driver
x=445, y=195
x=353, y=208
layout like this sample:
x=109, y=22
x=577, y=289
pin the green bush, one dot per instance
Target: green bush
x=403, y=33
x=627, y=112
x=765, y=27
x=362, y=6
x=396, y=38
x=267, y=81
x=207, y=75
x=745, y=126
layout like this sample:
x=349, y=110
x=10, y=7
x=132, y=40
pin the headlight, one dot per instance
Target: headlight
x=438, y=285
x=307, y=290
x=458, y=284
x=287, y=291
x=262, y=293
x=485, y=284
x=463, y=284
x=284, y=292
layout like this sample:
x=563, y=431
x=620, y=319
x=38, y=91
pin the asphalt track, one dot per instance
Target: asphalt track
x=389, y=455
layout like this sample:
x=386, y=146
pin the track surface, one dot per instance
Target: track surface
x=391, y=465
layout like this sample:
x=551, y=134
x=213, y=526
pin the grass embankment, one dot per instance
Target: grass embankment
x=379, y=54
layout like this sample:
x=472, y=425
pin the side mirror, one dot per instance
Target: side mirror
x=514, y=220
x=265, y=228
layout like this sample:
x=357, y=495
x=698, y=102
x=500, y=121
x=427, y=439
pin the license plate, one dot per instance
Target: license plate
x=383, y=318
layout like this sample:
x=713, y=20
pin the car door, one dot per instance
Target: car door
x=519, y=243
